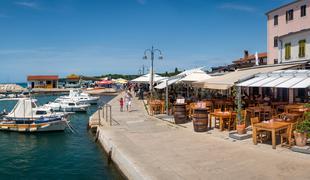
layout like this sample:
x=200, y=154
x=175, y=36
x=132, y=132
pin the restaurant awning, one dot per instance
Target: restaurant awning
x=280, y=79
x=228, y=80
x=197, y=76
x=146, y=78
x=177, y=78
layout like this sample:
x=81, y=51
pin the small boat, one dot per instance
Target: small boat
x=79, y=96
x=67, y=106
x=26, y=116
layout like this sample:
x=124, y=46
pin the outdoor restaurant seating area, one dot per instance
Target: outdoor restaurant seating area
x=271, y=105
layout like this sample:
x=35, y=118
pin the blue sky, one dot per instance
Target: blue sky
x=94, y=37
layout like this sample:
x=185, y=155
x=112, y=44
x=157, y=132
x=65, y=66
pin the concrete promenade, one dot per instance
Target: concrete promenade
x=147, y=148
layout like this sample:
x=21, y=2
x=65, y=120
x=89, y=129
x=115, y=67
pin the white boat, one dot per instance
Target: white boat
x=26, y=116
x=27, y=108
x=79, y=96
x=67, y=106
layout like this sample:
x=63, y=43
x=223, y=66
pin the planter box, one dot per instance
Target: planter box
x=305, y=149
x=237, y=136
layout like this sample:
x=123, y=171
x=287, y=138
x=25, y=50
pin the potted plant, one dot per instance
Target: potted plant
x=240, y=125
x=302, y=130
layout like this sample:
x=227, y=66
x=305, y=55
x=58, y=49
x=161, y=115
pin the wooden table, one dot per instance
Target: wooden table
x=221, y=116
x=273, y=127
x=156, y=104
x=291, y=116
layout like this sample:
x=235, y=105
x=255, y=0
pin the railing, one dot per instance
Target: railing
x=105, y=112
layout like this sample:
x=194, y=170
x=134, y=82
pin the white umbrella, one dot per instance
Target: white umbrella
x=256, y=59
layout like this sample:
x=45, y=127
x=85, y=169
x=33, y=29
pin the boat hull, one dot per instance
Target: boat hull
x=41, y=127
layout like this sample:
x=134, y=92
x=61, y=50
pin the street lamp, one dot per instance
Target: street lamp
x=152, y=52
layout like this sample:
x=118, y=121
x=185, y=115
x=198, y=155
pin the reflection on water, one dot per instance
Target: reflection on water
x=54, y=155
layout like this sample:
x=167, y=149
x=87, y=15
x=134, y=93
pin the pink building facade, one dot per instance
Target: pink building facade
x=288, y=32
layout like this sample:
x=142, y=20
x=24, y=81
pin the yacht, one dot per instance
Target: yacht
x=67, y=106
x=79, y=96
x=26, y=116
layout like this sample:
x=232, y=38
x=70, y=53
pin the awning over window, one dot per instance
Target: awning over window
x=228, y=80
x=280, y=79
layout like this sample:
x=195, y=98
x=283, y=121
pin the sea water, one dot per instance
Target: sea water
x=54, y=155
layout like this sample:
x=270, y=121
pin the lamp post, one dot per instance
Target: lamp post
x=152, y=52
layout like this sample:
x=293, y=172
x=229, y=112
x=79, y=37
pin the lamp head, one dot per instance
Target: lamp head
x=161, y=57
x=144, y=57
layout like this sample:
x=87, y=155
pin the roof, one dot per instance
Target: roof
x=228, y=80
x=296, y=32
x=42, y=77
x=282, y=6
x=251, y=57
x=280, y=79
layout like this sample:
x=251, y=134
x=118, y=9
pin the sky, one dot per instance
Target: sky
x=95, y=37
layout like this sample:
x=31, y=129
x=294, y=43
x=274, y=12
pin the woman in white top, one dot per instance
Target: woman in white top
x=128, y=99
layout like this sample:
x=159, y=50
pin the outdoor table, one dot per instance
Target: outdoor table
x=272, y=126
x=292, y=116
x=156, y=104
x=221, y=116
x=293, y=106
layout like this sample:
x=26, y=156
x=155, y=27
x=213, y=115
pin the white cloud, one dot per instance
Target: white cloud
x=237, y=7
x=27, y=4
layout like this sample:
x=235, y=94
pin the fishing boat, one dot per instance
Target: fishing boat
x=26, y=116
x=67, y=105
x=79, y=96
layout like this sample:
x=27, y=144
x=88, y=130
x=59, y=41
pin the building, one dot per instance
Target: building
x=248, y=60
x=43, y=81
x=288, y=32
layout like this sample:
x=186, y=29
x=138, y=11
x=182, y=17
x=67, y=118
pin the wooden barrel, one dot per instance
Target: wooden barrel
x=200, y=120
x=180, y=113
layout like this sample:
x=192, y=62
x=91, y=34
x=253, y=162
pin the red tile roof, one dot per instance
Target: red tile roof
x=250, y=57
x=42, y=77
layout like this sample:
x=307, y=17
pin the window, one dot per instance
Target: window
x=275, y=20
x=41, y=112
x=303, y=11
x=289, y=15
x=275, y=61
x=302, y=48
x=275, y=41
x=288, y=51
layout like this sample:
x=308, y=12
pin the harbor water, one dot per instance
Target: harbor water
x=54, y=155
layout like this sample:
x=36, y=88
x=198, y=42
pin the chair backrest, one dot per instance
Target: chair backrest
x=254, y=120
x=217, y=110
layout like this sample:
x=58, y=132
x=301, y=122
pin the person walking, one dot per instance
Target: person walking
x=128, y=99
x=121, y=103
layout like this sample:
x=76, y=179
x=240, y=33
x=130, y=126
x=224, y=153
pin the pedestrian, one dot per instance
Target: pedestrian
x=128, y=99
x=121, y=103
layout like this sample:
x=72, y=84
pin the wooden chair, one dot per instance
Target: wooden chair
x=267, y=112
x=217, y=120
x=287, y=137
x=261, y=135
x=231, y=124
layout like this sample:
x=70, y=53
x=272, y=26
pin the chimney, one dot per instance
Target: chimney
x=246, y=54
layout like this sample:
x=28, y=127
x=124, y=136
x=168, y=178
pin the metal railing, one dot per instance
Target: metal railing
x=105, y=113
